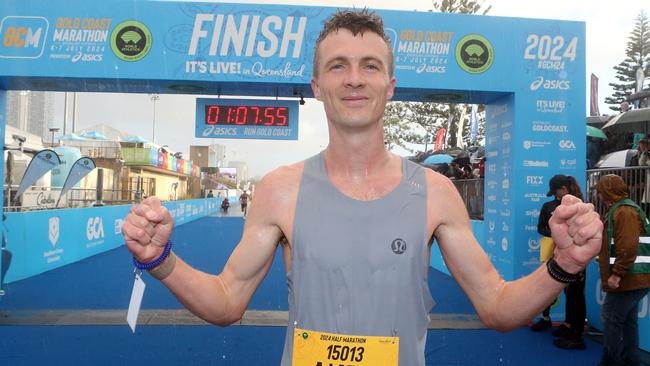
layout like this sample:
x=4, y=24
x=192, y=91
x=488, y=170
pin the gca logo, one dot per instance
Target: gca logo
x=567, y=145
x=548, y=84
x=94, y=228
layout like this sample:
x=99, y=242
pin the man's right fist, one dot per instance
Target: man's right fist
x=147, y=229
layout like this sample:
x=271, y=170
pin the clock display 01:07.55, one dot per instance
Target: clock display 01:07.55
x=243, y=115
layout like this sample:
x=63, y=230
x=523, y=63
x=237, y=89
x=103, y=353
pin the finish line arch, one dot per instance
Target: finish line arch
x=529, y=72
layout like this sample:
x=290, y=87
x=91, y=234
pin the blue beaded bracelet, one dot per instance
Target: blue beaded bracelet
x=156, y=262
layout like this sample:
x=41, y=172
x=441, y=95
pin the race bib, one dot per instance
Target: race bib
x=312, y=348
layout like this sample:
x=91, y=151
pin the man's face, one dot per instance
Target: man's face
x=353, y=81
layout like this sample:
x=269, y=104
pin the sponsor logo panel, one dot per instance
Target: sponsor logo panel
x=23, y=36
x=80, y=39
x=541, y=83
x=474, y=53
x=131, y=41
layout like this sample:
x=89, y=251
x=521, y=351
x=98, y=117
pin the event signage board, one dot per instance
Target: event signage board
x=247, y=119
x=530, y=74
x=225, y=48
x=40, y=241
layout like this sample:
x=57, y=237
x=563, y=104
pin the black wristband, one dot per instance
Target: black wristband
x=560, y=275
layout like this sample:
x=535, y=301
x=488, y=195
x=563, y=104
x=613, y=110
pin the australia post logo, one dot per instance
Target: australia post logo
x=22, y=36
x=94, y=228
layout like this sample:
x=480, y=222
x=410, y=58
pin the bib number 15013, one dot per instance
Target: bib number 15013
x=337, y=352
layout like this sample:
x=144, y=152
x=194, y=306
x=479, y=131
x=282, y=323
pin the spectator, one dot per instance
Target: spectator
x=570, y=332
x=210, y=194
x=625, y=279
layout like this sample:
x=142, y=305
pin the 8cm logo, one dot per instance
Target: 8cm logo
x=23, y=37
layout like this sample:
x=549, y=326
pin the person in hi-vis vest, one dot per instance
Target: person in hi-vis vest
x=624, y=262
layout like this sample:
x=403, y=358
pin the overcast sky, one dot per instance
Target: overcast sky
x=608, y=25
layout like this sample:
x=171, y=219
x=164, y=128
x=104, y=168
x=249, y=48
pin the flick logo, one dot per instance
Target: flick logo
x=22, y=36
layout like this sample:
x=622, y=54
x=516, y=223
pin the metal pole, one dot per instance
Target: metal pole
x=99, y=191
x=65, y=114
x=154, y=98
x=74, y=112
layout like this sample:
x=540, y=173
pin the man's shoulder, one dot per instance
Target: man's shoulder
x=283, y=179
x=439, y=186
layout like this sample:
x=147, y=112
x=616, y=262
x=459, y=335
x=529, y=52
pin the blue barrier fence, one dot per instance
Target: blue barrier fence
x=40, y=241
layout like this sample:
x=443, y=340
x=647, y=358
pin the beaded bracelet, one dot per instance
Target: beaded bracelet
x=560, y=275
x=156, y=262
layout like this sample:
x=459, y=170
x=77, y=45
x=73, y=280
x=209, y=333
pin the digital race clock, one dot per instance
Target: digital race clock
x=247, y=119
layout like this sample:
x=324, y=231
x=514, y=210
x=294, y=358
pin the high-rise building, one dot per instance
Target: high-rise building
x=31, y=111
x=242, y=170
x=219, y=155
x=208, y=156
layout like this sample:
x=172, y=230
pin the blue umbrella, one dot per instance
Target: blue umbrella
x=137, y=139
x=72, y=137
x=438, y=159
x=94, y=135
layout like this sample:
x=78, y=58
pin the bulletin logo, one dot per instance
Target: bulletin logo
x=23, y=36
x=474, y=54
x=131, y=41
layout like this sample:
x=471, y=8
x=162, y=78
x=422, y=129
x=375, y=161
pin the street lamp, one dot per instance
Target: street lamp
x=53, y=130
x=154, y=98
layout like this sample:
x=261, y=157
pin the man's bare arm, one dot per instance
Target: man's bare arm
x=500, y=305
x=222, y=299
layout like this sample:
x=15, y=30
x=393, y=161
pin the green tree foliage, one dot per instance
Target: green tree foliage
x=637, y=54
x=408, y=123
x=461, y=6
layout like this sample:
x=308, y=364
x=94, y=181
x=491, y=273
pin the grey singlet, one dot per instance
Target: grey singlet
x=360, y=267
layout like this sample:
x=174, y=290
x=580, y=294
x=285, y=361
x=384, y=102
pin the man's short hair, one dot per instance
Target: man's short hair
x=357, y=22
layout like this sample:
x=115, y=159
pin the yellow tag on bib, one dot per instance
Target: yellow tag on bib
x=328, y=349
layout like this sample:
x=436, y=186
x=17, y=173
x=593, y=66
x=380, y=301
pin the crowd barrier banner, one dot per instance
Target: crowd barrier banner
x=40, y=241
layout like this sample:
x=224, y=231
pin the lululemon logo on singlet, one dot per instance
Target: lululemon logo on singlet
x=398, y=246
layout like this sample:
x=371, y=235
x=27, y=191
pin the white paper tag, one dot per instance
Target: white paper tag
x=136, y=301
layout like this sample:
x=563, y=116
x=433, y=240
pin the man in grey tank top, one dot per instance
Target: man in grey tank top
x=356, y=223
